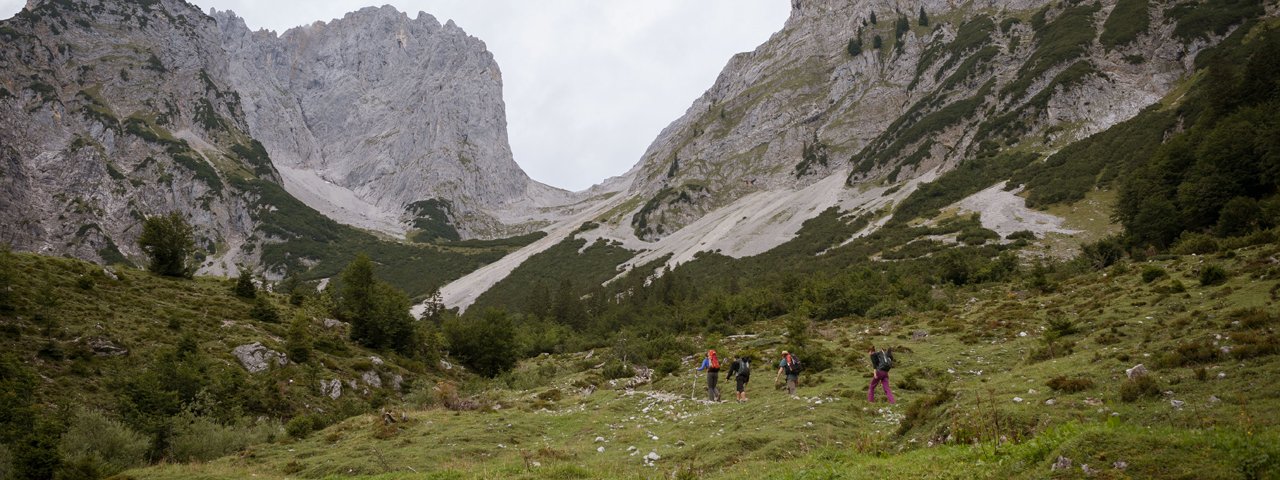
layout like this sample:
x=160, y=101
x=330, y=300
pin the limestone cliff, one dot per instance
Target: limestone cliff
x=113, y=111
x=893, y=99
x=393, y=109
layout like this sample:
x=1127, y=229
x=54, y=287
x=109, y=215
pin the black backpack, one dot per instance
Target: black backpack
x=744, y=369
x=886, y=360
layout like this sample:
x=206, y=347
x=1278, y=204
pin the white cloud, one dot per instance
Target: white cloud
x=588, y=83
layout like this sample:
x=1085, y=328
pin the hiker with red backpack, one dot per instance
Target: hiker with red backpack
x=881, y=362
x=791, y=366
x=712, y=365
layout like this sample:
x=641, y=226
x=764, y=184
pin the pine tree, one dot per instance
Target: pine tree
x=244, y=285
x=292, y=287
x=855, y=47
x=877, y=43
x=901, y=27
x=924, y=18
x=378, y=313
x=873, y=18
x=167, y=240
x=298, y=343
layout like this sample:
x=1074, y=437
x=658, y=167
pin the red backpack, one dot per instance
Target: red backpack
x=715, y=361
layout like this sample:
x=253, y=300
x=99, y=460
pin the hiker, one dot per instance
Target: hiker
x=740, y=370
x=712, y=365
x=789, y=365
x=881, y=362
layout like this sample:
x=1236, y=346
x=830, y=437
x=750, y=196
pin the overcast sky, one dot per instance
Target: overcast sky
x=588, y=83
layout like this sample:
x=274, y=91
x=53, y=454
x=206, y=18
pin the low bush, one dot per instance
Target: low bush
x=1138, y=387
x=1213, y=275
x=302, y=425
x=1195, y=244
x=1152, y=273
x=1192, y=353
x=197, y=438
x=1065, y=384
x=105, y=445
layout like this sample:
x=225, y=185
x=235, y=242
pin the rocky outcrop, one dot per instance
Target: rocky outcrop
x=111, y=112
x=99, y=130
x=331, y=388
x=255, y=357
x=394, y=110
x=820, y=97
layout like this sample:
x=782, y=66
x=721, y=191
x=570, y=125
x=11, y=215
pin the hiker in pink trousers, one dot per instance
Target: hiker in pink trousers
x=882, y=362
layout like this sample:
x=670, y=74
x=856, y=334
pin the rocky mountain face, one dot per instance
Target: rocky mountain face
x=392, y=109
x=112, y=111
x=862, y=88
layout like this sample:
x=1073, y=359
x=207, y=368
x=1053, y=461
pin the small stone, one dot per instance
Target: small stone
x=1087, y=471
x=1017, y=399
x=1120, y=465
x=1177, y=404
x=600, y=449
x=1222, y=374
x=1050, y=401
x=631, y=448
x=1032, y=392
x=919, y=335
x=1138, y=370
x=599, y=439
x=1214, y=400
x=1062, y=463
x=1022, y=334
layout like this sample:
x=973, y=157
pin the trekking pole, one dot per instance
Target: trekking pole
x=693, y=390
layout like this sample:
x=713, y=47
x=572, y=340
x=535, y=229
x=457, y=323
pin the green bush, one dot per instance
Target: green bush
x=1195, y=244
x=1142, y=386
x=616, y=369
x=1065, y=384
x=486, y=344
x=105, y=444
x=264, y=311
x=302, y=425
x=1213, y=275
x=200, y=439
x=1151, y=273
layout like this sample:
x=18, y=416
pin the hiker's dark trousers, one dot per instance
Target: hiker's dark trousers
x=712, y=392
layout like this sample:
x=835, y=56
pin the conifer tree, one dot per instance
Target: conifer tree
x=924, y=18
x=244, y=285
x=167, y=240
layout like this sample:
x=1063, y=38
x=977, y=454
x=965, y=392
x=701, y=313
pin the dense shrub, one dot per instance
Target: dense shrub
x=264, y=311
x=1065, y=384
x=1139, y=387
x=486, y=344
x=1151, y=273
x=1213, y=275
x=1191, y=353
x=105, y=444
x=201, y=439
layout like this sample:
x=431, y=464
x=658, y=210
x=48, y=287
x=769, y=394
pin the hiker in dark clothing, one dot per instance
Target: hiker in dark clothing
x=789, y=365
x=881, y=362
x=740, y=370
x=712, y=365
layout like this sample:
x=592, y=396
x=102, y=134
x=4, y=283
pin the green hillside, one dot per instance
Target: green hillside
x=148, y=361
x=1002, y=382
